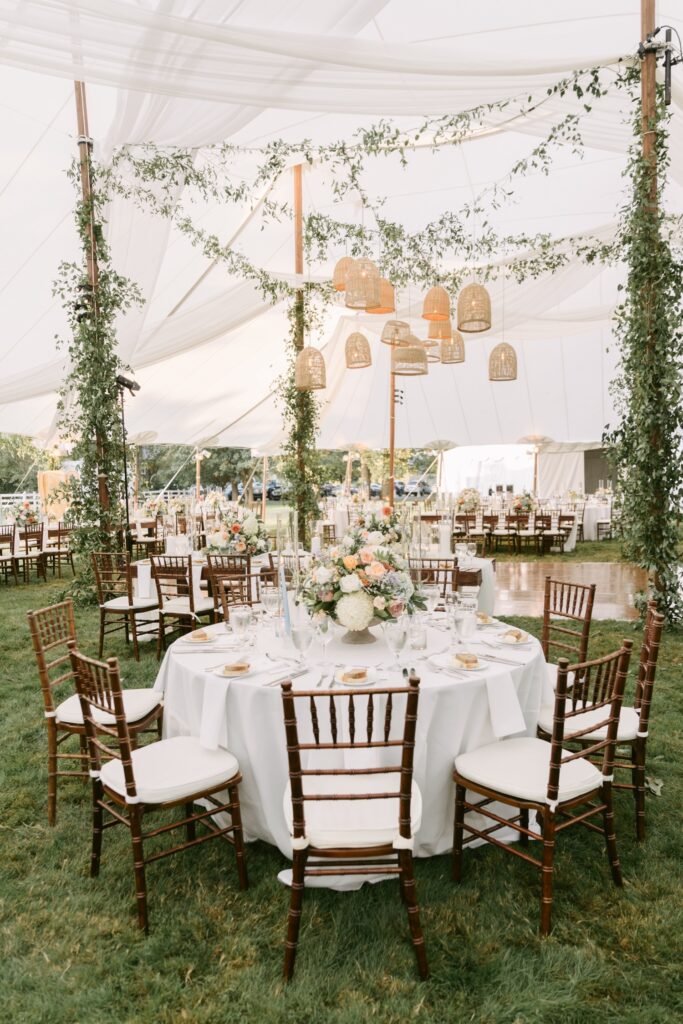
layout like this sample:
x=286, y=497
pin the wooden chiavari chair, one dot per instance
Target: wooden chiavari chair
x=530, y=774
x=119, y=608
x=379, y=838
x=528, y=531
x=289, y=563
x=58, y=549
x=31, y=554
x=149, y=538
x=438, y=572
x=52, y=629
x=226, y=566
x=236, y=590
x=580, y=508
x=634, y=721
x=329, y=534
x=504, y=531
x=128, y=783
x=565, y=604
x=8, y=563
x=179, y=606
x=478, y=530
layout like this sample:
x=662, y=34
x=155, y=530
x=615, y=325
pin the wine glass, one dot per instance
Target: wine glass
x=395, y=635
x=241, y=617
x=323, y=628
x=270, y=599
x=432, y=596
x=302, y=638
x=472, y=551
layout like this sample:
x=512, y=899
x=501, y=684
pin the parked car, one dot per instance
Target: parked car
x=417, y=489
x=375, y=490
x=399, y=488
x=274, y=491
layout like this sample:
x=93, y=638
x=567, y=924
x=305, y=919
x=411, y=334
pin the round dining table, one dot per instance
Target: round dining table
x=458, y=711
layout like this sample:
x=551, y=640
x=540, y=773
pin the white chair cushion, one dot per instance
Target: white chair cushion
x=353, y=823
x=137, y=705
x=628, y=722
x=519, y=768
x=117, y=604
x=181, y=606
x=172, y=770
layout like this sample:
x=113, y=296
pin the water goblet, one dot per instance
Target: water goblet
x=323, y=628
x=241, y=617
x=270, y=599
x=302, y=638
x=432, y=596
x=395, y=635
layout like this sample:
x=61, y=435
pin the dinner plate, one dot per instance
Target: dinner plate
x=210, y=638
x=370, y=678
x=519, y=643
x=446, y=663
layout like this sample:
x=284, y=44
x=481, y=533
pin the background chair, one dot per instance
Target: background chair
x=58, y=549
x=129, y=783
x=533, y=775
x=30, y=554
x=119, y=608
x=375, y=836
x=563, y=604
x=52, y=629
x=180, y=608
x=8, y=563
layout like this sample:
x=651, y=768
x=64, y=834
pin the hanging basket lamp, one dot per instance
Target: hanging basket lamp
x=436, y=305
x=474, y=309
x=341, y=272
x=358, y=354
x=432, y=349
x=453, y=349
x=409, y=360
x=387, y=302
x=440, y=330
x=363, y=285
x=309, y=370
x=395, y=332
x=503, y=363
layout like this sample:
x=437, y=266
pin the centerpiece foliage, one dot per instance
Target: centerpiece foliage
x=468, y=500
x=240, y=533
x=384, y=528
x=357, y=582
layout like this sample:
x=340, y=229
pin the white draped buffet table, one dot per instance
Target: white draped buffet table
x=456, y=714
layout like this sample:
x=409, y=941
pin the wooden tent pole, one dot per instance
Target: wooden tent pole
x=392, y=438
x=299, y=321
x=84, y=154
x=264, y=494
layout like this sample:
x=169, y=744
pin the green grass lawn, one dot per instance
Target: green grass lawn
x=586, y=551
x=72, y=954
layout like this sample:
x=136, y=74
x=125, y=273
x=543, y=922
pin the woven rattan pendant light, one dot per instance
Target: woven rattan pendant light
x=309, y=370
x=358, y=354
x=395, y=332
x=440, y=329
x=341, y=272
x=363, y=285
x=474, y=309
x=436, y=305
x=387, y=302
x=503, y=362
x=409, y=360
x=453, y=349
x=433, y=350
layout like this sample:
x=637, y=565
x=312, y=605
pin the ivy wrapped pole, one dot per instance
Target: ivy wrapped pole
x=300, y=412
x=645, y=447
x=90, y=243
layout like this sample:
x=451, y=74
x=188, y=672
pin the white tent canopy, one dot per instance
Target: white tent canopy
x=206, y=347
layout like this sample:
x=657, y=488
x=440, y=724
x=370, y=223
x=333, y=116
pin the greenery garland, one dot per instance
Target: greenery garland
x=89, y=413
x=648, y=393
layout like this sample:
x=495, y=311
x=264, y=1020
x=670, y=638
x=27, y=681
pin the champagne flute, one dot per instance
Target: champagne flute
x=324, y=630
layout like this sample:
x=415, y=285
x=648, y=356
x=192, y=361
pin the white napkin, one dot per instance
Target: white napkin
x=143, y=583
x=506, y=713
x=215, y=694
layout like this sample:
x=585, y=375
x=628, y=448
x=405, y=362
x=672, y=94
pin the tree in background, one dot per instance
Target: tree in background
x=159, y=462
x=20, y=461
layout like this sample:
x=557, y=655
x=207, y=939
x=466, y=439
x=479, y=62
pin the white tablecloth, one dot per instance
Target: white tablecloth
x=591, y=514
x=245, y=716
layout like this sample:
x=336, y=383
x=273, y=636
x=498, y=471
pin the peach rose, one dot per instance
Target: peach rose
x=235, y=528
x=376, y=570
x=366, y=556
x=350, y=562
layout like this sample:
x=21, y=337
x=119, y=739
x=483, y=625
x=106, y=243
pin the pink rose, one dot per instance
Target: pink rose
x=396, y=609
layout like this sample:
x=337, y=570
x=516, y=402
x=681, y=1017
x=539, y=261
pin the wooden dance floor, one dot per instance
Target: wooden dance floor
x=519, y=586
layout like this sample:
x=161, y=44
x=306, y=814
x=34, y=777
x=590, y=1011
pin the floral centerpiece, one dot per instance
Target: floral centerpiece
x=574, y=496
x=155, y=507
x=178, y=505
x=240, y=533
x=382, y=529
x=523, y=502
x=468, y=500
x=24, y=514
x=215, y=501
x=358, y=583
